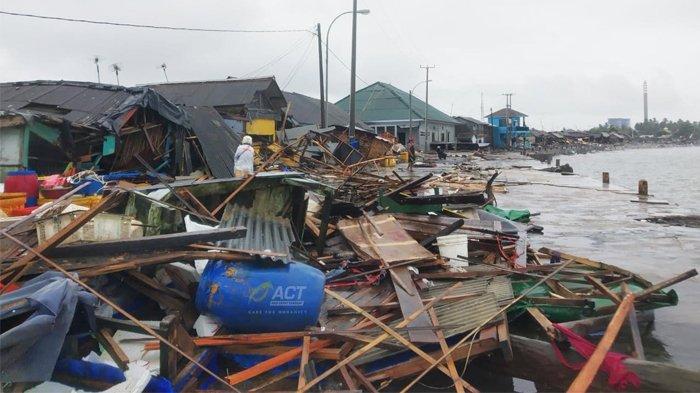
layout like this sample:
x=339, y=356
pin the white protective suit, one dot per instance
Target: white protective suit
x=243, y=160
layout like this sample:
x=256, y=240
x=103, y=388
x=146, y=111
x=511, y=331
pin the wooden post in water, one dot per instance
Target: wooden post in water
x=606, y=178
x=557, y=162
x=643, y=188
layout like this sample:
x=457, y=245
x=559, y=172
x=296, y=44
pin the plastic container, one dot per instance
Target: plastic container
x=93, y=187
x=452, y=246
x=25, y=181
x=389, y=162
x=12, y=201
x=404, y=156
x=261, y=297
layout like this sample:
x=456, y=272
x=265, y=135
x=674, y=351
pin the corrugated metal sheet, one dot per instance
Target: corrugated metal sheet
x=264, y=232
x=218, y=141
x=85, y=103
x=228, y=92
x=467, y=314
x=81, y=103
x=499, y=285
x=383, y=102
x=305, y=110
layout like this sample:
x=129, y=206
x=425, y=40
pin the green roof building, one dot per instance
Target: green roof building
x=386, y=108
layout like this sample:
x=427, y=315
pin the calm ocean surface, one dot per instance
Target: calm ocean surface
x=673, y=173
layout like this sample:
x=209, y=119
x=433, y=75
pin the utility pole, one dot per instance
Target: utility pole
x=410, y=115
x=427, y=81
x=353, y=62
x=509, y=122
x=97, y=65
x=646, y=106
x=482, y=106
x=320, y=74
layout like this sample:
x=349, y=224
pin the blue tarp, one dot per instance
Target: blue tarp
x=29, y=350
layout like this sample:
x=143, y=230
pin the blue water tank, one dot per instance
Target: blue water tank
x=261, y=296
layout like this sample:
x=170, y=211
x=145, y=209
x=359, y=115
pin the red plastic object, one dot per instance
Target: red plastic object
x=10, y=288
x=20, y=211
x=23, y=181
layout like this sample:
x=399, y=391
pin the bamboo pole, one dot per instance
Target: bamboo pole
x=590, y=369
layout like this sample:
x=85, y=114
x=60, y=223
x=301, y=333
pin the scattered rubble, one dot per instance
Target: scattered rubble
x=326, y=267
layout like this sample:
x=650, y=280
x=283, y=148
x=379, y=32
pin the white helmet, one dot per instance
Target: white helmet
x=247, y=140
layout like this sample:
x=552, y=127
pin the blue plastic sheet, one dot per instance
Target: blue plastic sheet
x=30, y=349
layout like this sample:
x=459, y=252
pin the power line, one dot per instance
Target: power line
x=346, y=66
x=121, y=24
x=299, y=64
x=291, y=49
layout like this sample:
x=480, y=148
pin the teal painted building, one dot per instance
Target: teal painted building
x=509, y=128
x=386, y=108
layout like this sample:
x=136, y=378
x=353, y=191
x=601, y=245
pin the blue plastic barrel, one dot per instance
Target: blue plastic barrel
x=261, y=297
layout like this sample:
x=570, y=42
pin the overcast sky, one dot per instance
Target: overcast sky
x=569, y=63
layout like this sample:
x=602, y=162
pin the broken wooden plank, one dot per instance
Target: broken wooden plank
x=361, y=377
x=590, y=369
x=443, y=232
x=148, y=243
x=107, y=341
x=416, y=364
x=24, y=263
x=271, y=363
x=388, y=332
x=444, y=347
x=603, y=289
x=665, y=284
x=634, y=326
x=149, y=330
x=306, y=342
x=544, y=322
x=406, y=186
x=349, y=382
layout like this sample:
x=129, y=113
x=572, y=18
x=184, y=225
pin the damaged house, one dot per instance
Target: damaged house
x=51, y=126
x=251, y=106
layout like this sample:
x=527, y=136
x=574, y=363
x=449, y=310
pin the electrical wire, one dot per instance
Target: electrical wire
x=346, y=66
x=299, y=64
x=293, y=47
x=157, y=27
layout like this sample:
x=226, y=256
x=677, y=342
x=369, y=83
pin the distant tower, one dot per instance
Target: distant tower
x=646, y=105
x=482, y=106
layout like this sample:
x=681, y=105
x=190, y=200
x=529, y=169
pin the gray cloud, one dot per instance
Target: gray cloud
x=570, y=63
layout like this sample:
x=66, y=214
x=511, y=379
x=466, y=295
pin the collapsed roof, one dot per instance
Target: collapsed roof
x=260, y=96
x=86, y=104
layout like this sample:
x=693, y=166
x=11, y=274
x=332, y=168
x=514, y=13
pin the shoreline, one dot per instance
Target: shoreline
x=545, y=155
